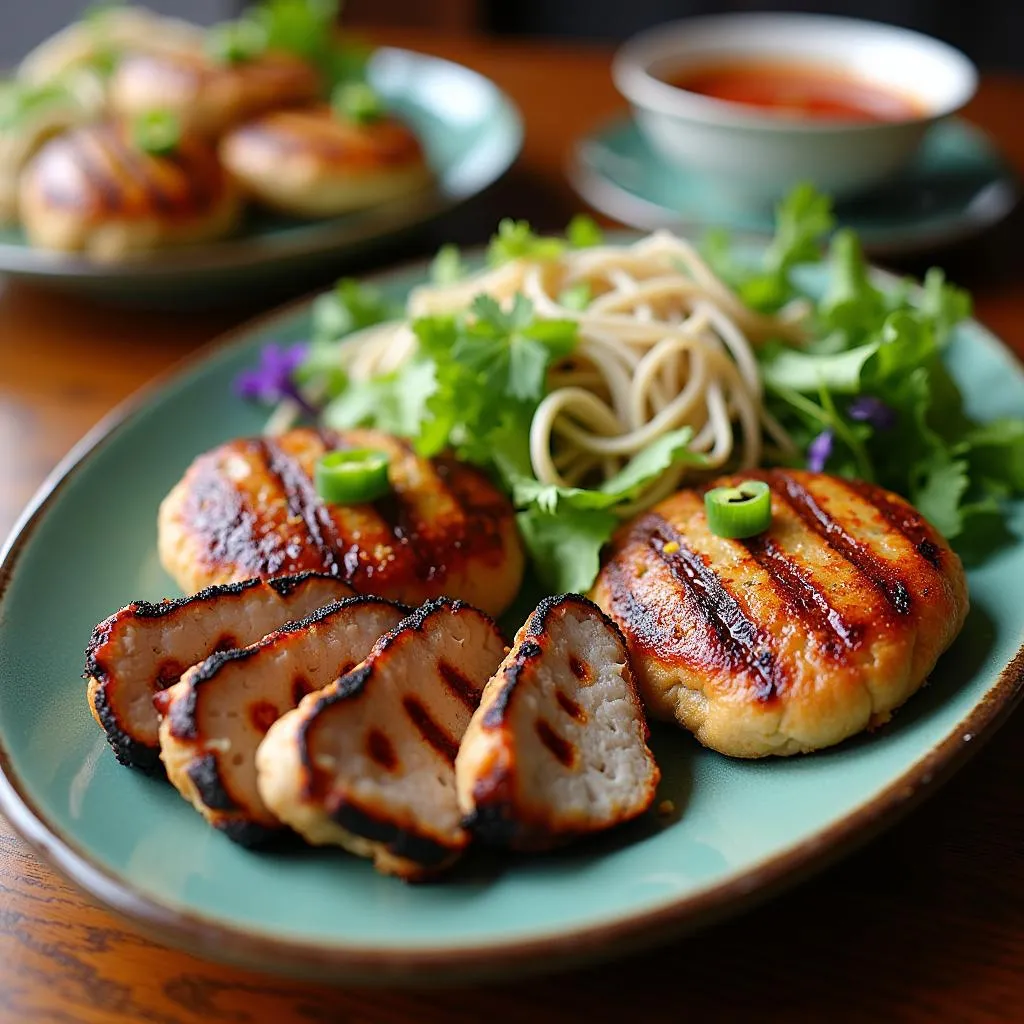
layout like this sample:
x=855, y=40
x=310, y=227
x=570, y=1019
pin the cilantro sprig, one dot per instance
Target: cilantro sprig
x=305, y=28
x=870, y=396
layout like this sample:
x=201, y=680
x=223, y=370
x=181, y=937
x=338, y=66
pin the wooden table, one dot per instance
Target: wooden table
x=926, y=924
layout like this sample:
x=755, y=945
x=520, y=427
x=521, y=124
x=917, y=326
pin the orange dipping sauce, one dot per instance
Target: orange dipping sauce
x=794, y=89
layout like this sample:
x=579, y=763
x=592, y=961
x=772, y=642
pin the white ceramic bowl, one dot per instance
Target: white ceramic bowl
x=760, y=155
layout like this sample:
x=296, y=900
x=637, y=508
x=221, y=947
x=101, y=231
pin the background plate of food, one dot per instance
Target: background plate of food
x=709, y=446
x=146, y=158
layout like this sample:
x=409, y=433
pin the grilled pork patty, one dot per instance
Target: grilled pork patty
x=794, y=639
x=214, y=718
x=309, y=162
x=207, y=96
x=249, y=508
x=144, y=648
x=92, y=189
x=369, y=763
x=558, y=747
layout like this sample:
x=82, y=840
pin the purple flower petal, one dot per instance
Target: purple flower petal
x=272, y=380
x=819, y=450
x=870, y=409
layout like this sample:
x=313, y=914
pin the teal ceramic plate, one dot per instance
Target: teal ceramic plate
x=740, y=830
x=957, y=186
x=471, y=132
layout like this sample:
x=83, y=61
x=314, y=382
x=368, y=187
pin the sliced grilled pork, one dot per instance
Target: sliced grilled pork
x=249, y=508
x=558, y=746
x=308, y=161
x=369, y=763
x=216, y=715
x=144, y=648
x=794, y=639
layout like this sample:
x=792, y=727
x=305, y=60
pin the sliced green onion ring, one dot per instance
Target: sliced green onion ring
x=741, y=511
x=352, y=476
x=157, y=132
x=357, y=102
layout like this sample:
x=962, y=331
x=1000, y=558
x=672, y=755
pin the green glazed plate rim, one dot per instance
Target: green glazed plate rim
x=382, y=964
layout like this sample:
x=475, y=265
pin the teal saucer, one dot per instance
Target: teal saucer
x=958, y=185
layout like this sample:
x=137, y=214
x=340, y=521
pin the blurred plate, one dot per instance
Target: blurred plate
x=470, y=129
x=740, y=829
x=957, y=186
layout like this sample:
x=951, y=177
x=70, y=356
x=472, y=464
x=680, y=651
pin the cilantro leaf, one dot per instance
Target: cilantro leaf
x=395, y=402
x=583, y=232
x=807, y=371
x=939, y=493
x=566, y=548
x=350, y=306
x=447, y=266
x=516, y=240
x=565, y=527
x=802, y=219
x=577, y=296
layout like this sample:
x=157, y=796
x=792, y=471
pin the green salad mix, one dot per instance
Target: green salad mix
x=867, y=395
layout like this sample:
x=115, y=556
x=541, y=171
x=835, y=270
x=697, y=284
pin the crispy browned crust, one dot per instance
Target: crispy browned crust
x=207, y=96
x=412, y=854
x=793, y=639
x=107, y=700
x=498, y=817
x=204, y=771
x=249, y=508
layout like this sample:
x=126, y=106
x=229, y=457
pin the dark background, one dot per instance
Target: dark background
x=989, y=31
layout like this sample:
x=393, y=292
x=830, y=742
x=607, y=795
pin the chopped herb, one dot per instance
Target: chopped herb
x=234, y=42
x=516, y=240
x=157, y=132
x=583, y=232
x=357, y=102
x=447, y=266
x=576, y=297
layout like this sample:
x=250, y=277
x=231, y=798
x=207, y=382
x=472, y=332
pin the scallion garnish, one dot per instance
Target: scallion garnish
x=741, y=511
x=352, y=476
x=157, y=132
x=358, y=102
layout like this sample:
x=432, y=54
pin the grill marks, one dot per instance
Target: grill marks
x=902, y=518
x=561, y=749
x=741, y=641
x=722, y=629
x=570, y=707
x=303, y=502
x=458, y=685
x=381, y=750
x=114, y=177
x=882, y=576
x=429, y=729
x=804, y=599
x=393, y=522
x=581, y=670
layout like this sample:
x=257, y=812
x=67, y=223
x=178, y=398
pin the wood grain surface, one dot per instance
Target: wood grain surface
x=925, y=924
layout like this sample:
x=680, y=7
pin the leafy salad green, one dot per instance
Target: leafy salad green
x=868, y=395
